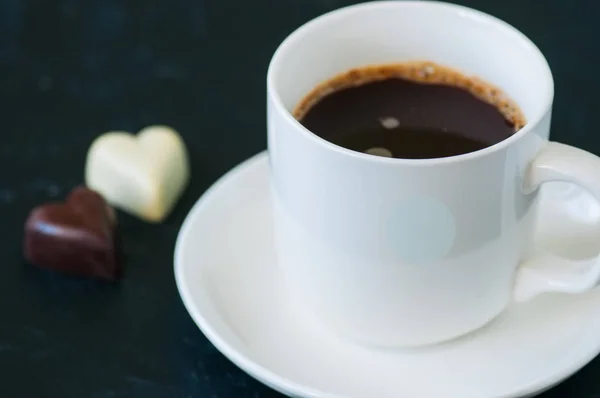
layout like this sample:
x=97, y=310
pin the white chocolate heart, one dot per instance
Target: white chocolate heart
x=143, y=175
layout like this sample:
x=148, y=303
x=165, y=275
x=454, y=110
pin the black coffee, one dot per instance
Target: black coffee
x=411, y=111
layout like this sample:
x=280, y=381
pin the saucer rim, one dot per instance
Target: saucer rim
x=271, y=378
x=259, y=372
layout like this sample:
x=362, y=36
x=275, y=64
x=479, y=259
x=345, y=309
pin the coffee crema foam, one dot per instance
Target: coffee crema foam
x=425, y=72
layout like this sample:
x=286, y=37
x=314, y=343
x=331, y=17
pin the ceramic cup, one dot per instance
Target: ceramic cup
x=400, y=252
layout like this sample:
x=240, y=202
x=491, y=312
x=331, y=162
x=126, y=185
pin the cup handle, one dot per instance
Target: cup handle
x=547, y=272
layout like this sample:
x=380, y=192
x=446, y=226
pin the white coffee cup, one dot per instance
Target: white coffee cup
x=410, y=252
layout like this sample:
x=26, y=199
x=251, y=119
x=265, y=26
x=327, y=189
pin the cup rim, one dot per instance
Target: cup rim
x=465, y=12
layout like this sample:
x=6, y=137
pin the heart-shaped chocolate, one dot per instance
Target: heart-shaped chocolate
x=143, y=174
x=77, y=237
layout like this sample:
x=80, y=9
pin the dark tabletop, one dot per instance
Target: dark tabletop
x=73, y=69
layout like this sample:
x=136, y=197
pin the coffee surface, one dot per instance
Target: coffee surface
x=413, y=111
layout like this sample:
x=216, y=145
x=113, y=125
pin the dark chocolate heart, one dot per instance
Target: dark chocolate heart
x=77, y=237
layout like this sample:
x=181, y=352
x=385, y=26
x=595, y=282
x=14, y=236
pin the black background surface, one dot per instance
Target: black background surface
x=73, y=69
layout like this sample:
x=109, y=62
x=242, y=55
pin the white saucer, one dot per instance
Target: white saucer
x=233, y=290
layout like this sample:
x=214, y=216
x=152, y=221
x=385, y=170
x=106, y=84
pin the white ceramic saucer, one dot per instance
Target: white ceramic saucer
x=233, y=290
